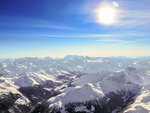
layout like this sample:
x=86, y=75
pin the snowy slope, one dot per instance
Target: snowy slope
x=142, y=102
x=130, y=79
x=78, y=79
x=33, y=71
x=11, y=98
x=32, y=78
x=77, y=94
x=10, y=68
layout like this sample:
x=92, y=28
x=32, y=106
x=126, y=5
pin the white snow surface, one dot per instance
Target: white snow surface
x=10, y=68
x=101, y=76
x=83, y=93
x=142, y=102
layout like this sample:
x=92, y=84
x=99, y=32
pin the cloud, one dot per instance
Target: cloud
x=110, y=40
x=134, y=15
x=114, y=35
x=76, y=36
x=56, y=27
x=24, y=22
x=134, y=19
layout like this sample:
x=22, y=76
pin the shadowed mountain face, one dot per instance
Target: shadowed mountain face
x=75, y=84
x=112, y=102
x=8, y=104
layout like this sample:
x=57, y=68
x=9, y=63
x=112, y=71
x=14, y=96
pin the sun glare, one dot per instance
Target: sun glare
x=106, y=14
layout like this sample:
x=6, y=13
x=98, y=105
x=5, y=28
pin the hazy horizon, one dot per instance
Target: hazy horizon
x=55, y=57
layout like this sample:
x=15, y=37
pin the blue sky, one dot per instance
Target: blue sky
x=60, y=27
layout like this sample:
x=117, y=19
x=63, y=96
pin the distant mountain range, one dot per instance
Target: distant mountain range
x=75, y=84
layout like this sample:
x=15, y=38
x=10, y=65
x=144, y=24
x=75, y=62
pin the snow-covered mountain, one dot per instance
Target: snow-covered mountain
x=75, y=84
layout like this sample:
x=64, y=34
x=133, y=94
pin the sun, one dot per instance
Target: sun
x=106, y=14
